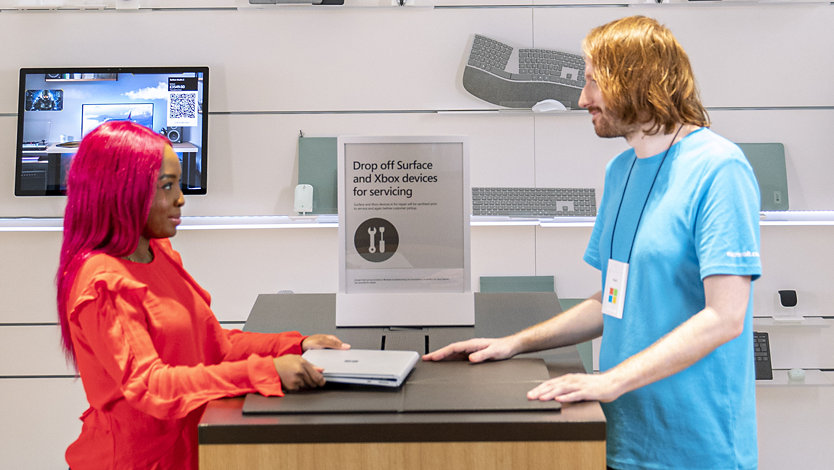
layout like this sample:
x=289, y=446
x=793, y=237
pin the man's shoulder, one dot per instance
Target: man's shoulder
x=708, y=140
x=712, y=150
x=623, y=159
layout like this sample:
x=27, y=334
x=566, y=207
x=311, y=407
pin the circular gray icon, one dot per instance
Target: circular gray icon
x=376, y=240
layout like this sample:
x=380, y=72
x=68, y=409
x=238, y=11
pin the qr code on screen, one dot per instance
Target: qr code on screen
x=182, y=106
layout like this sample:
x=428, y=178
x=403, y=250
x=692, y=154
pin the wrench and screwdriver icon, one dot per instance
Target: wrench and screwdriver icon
x=372, y=233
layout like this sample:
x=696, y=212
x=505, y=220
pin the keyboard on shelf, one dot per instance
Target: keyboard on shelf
x=761, y=355
x=534, y=202
x=519, y=78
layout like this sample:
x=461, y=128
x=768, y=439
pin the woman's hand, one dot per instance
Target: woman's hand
x=296, y=373
x=323, y=342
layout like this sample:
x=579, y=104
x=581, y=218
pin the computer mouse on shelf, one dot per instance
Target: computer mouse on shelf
x=548, y=105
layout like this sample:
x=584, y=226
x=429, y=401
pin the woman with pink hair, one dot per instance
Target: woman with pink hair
x=136, y=325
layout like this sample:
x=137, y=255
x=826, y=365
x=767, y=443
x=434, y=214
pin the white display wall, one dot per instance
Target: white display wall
x=371, y=68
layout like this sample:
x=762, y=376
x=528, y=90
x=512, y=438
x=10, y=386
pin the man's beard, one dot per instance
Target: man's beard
x=607, y=126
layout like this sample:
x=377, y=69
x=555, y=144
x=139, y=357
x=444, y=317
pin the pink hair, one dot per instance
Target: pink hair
x=110, y=187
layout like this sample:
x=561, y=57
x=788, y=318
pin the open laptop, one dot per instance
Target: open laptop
x=364, y=366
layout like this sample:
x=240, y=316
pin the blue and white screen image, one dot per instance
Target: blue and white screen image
x=93, y=115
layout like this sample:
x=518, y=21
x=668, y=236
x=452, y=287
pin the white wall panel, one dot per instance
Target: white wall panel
x=502, y=251
x=795, y=425
x=559, y=252
x=31, y=351
x=27, y=280
x=237, y=265
x=765, y=55
x=40, y=418
x=277, y=59
x=570, y=155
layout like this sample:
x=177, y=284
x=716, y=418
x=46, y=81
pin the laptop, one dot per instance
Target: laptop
x=364, y=366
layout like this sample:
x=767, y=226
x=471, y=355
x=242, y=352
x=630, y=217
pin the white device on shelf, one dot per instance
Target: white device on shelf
x=303, y=198
x=796, y=375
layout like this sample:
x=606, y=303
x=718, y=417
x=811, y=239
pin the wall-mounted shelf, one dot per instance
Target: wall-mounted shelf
x=813, y=378
x=55, y=224
x=796, y=218
x=258, y=222
x=798, y=321
x=724, y=2
x=190, y=223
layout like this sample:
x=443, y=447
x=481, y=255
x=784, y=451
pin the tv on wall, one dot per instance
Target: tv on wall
x=57, y=107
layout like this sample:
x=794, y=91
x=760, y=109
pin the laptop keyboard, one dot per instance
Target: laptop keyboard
x=534, y=202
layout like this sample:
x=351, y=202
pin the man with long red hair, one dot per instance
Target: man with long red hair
x=676, y=240
x=139, y=329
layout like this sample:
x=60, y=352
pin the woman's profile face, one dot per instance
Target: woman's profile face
x=165, y=213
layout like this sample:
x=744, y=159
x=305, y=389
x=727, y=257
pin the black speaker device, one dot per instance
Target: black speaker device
x=174, y=134
x=787, y=298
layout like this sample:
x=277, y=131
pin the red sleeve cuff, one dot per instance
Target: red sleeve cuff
x=264, y=377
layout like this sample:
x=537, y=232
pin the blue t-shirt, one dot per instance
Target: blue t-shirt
x=701, y=219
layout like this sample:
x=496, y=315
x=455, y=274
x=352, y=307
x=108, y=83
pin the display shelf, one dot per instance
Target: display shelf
x=161, y=5
x=661, y=3
x=257, y=222
x=797, y=321
x=31, y=224
x=813, y=378
x=512, y=112
x=557, y=222
x=245, y=222
x=498, y=221
x=254, y=222
x=55, y=224
x=796, y=218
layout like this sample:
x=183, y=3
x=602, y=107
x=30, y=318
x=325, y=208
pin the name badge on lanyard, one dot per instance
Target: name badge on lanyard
x=614, y=289
x=616, y=278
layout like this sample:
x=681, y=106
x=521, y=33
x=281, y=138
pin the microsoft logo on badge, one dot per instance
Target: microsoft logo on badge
x=612, y=295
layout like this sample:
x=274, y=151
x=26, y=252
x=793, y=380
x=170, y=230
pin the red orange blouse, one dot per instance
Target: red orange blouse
x=151, y=354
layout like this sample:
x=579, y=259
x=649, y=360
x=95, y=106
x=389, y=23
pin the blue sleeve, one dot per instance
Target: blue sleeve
x=592, y=252
x=727, y=221
x=592, y=256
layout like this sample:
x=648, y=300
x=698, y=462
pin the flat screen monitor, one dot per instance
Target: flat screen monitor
x=57, y=107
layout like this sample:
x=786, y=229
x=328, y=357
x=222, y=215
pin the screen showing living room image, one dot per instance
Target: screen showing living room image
x=57, y=107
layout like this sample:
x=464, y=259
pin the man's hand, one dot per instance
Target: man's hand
x=476, y=350
x=323, y=342
x=576, y=387
x=296, y=373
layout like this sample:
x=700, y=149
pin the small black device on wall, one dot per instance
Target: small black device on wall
x=58, y=106
x=787, y=298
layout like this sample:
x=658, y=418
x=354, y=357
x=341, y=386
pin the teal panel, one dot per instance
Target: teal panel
x=768, y=162
x=517, y=284
x=317, y=166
